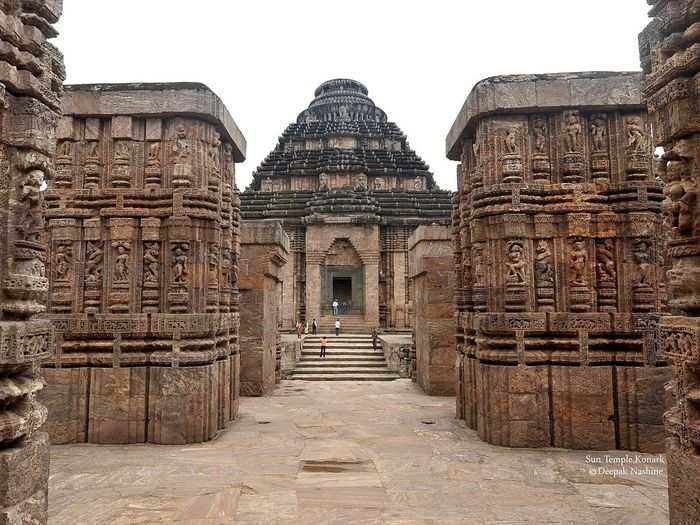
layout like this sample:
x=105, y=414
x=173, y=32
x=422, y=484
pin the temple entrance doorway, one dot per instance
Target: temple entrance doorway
x=342, y=292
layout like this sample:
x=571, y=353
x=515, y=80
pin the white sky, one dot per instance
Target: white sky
x=419, y=59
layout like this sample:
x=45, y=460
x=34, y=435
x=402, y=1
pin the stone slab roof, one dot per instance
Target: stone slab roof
x=155, y=100
x=544, y=92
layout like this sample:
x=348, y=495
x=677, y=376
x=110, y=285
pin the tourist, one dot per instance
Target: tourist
x=298, y=328
x=375, y=338
x=324, y=344
x=306, y=327
x=335, y=306
x=337, y=327
x=314, y=326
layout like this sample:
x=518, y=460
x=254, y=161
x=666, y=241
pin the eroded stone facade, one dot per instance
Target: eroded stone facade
x=670, y=57
x=264, y=253
x=31, y=79
x=143, y=221
x=431, y=264
x=559, y=250
x=349, y=190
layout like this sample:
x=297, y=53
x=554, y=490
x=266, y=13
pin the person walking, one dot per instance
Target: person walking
x=298, y=328
x=337, y=327
x=335, y=306
x=314, y=326
x=375, y=339
x=324, y=344
x=306, y=327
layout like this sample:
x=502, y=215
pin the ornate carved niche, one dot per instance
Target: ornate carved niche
x=121, y=274
x=480, y=258
x=572, y=168
x=121, y=164
x=600, y=147
x=92, y=164
x=94, y=270
x=637, y=148
x=153, y=177
x=578, y=274
x=643, y=275
x=510, y=149
x=65, y=161
x=517, y=276
x=178, y=290
x=545, y=276
x=181, y=157
x=606, y=275
x=539, y=151
x=213, y=166
x=150, y=295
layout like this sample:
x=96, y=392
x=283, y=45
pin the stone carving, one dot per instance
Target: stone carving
x=31, y=79
x=136, y=296
x=379, y=184
x=638, y=152
x=560, y=297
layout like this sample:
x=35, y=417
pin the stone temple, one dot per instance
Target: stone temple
x=349, y=191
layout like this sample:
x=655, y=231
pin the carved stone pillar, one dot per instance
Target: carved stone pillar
x=264, y=253
x=31, y=77
x=143, y=265
x=669, y=54
x=558, y=235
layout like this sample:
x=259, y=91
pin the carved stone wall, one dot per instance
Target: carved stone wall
x=559, y=249
x=31, y=79
x=143, y=223
x=264, y=253
x=431, y=267
x=670, y=58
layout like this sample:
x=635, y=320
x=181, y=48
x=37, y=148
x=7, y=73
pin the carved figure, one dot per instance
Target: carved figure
x=418, y=184
x=154, y=154
x=636, y=140
x=479, y=267
x=181, y=146
x=62, y=262
x=578, y=259
x=517, y=267
x=379, y=184
x=180, y=260
x=599, y=133
x=213, y=257
x=511, y=141
x=121, y=262
x=605, y=261
x=323, y=182
x=544, y=263
x=93, y=150
x=93, y=264
x=642, y=277
x=539, y=129
x=573, y=132
x=151, y=261
x=65, y=149
x=122, y=151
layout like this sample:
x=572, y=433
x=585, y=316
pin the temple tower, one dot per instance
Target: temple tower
x=349, y=191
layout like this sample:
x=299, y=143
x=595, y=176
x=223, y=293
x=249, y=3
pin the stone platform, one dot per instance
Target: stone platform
x=349, y=453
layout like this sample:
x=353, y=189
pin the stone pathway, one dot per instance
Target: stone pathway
x=349, y=453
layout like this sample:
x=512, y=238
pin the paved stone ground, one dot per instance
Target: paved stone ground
x=348, y=453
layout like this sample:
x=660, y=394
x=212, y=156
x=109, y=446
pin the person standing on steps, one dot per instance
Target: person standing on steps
x=375, y=338
x=337, y=327
x=314, y=326
x=324, y=344
x=298, y=328
x=335, y=306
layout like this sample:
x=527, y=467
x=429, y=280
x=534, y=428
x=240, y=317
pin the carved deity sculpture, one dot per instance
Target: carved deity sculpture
x=121, y=262
x=323, y=182
x=213, y=258
x=643, y=274
x=30, y=194
x=62, y=262
x=599, y=133
x=517, y=267
x=180, y=261
x=544, y=263
x=511, y=141
x=539, y=129
x=154, y=154
x=578, y=259
x=151, y=261
x=93, y=264
x=379, y=184
x=605, y=261
x=418, y=183
x=573, y=131
x=181, y=151
x=636, y=138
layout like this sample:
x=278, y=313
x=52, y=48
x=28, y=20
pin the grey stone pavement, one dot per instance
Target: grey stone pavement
x=351, y=453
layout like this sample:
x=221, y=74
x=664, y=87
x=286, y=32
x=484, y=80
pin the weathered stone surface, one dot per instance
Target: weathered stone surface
x=349, y=190
x=264, y=253
x=432, y=273
x=31, y=79
x=670, y=59
x=143, y=265
x=559, y=246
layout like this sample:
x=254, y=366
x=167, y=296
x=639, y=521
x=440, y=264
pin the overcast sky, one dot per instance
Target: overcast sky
x=419, y=59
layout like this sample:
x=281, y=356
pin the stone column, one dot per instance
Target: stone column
x=314, y=307
x=264, y=254
x=143, y=266
x=371, y=288
x=560, y=245
x=431, y=269
x=667, y=47
x=31, y=77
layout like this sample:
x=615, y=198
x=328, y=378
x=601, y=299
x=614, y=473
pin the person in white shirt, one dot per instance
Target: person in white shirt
x=335, y=306
x=337, y=327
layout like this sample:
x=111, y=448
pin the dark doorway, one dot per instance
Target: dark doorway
x=342, y=292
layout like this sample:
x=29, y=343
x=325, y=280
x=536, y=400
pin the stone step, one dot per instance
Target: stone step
x=335, y=352
x=332, y=369
x=349, y=377
x=310, y=357
x=335, y=364
x=352, y=346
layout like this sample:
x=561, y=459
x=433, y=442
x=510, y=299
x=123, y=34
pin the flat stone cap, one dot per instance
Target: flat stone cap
x=180, y=99
x=264, y=232
x=546, y=92
x=430, y=232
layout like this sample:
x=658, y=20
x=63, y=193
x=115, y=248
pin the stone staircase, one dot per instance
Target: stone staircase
x=348, y=358
x=349, y=324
